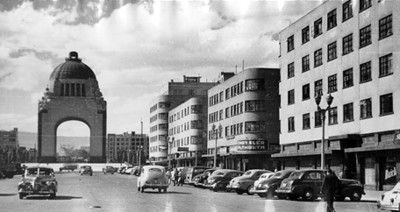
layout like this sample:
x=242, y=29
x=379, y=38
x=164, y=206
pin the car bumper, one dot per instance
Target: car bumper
x=41, y=192
x=155, y=186
x=282, y=191
x=388, y=207
x=253, y=191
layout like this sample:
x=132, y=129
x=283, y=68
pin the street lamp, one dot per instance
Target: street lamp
x=170, y=141
x=322, y=111
x=216, y=132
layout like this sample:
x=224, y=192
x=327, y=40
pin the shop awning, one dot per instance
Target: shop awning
x=298, y=154
x=372, y=148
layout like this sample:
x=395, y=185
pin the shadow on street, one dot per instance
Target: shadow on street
x=56, y=198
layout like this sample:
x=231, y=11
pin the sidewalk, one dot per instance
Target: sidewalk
x=372, y=195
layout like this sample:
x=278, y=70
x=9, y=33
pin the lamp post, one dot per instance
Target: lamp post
x=322, y=111
x=170, y=141
x=216, y=132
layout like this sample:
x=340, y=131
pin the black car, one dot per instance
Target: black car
x=221, y=178
x=307, y=184
x=198, y=180
x=267, y=187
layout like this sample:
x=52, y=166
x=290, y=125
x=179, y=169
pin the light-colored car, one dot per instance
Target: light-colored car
x=245, y=182
x=86, y=170
x=390, y=200
x=109, y=169
x=152, y=176
x=263, y=177
x=38, y=181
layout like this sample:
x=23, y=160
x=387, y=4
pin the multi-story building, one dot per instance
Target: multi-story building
x=243, y=119
x=9, y=139
x=187, y=131
x=175, y=94
x=127, y=147
x=349, y=50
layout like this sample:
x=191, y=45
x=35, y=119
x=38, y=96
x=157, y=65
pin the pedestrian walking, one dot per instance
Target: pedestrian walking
x=329, y=186
x=176, y=176
x=169, y=175
x=182, y=177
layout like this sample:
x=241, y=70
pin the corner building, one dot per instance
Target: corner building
x=127, y=147
x=175, y=94
x=243, y=119
x=348, y=49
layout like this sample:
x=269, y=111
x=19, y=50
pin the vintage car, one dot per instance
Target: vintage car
x=307, y=184
x=152, y=176
x=390, y=200
x=263, y=177
x=245, y=182
x=69, y=167
x=221, y=178
x=38, y=181
x=86, y=170
x=109, y=169
x=192, y=172
x=198, y=180
x=266, y=187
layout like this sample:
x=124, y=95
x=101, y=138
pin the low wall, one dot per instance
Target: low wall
x=95, y=166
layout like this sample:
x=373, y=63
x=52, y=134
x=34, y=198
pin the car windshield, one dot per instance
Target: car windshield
x=219, y=173
x=248, y=173
x=196, y=171
x=295, y=175
x=42, y=172
x=155, y=170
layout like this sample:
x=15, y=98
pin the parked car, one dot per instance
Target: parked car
x=263, y=177
x=38, y=181
x=390, y=200
x=109, y=169
x=154, y=177
x=136, y=170
x=198, y=180
x=128, y=170
x=220, y=179
x=266, y=187
x=245, y=182
x=192, y=172
x=307, y=184
x=86, y=170
x=69, y=167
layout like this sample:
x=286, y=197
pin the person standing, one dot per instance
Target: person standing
x=329, y=186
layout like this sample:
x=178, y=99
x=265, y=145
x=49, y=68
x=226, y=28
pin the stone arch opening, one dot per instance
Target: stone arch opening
x=72, y=141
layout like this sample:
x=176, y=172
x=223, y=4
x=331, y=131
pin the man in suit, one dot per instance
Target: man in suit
x=330, y=185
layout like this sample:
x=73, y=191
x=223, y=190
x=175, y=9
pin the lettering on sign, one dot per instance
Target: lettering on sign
x=252, y=145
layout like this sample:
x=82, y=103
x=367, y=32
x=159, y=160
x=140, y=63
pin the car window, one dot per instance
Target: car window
x=247, y=173
x=31, y=171
x=44, y=172
x=295, y=175
x=313, y=176
x=155, y=170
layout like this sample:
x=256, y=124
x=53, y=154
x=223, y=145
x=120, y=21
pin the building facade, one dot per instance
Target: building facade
x=127, y=147
x=187, y=132
x=175, y=94
x=348, y=49
x=243, y=114
x=9, y=145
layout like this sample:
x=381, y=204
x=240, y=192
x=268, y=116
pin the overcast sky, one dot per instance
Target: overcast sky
x=133, y=47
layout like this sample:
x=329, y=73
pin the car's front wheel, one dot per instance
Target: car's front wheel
x=249, y=188
x=21, y=196
x=142, y=189
x=308, y=195
x=165, y=190
x=355, y=196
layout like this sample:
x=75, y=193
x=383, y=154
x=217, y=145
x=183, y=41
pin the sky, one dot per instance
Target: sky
x=134, y=47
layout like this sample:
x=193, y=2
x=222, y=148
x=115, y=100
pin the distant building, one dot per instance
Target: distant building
x=127, y=147
x=243, y=121
x=9, y=139
x=348, y=49
x=175, y=94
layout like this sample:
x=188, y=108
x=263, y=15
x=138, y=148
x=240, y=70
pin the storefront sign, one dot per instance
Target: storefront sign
x=252, y=145
x=396, y=138
x=224, y=150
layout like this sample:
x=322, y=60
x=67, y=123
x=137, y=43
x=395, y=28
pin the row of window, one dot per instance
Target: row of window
x=73, y=89
x=192, y=109
x=126, y=139
x=385, y=69
x=234, y=110
x=194, y=140
x=250, y=85
x=236, y=129
x=162, y=116
x=385, y=30
x=162, y=137
x=193, y=124
x=385, y=103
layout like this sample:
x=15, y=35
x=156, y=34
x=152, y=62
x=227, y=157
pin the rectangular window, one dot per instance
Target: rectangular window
x=348, y=112
x=227, y=93
x=73, y=89
x=347, y=44
x=317, y=27
x=365, y=72
x=332, y=116
x=62, y=89
x=306, y=92
x=365, y=36
x=348, y=78
x=318, y=88
x=305, y=34
x=83, y=90
x=305, y=63
x=364, y=4
x=290, y=43
x=254, y=84
x=385, y=27
x=318, y=58
x=306, y=121
x=332, y=85
x=291, y=124
x=385, y=65
x=386, y=103
x=317, y=119
x=255, y=126
x=290, y=70
x=332, y=19
x=291, y=97
x=254, y=106
x=347, y=10
x=366, y=108
x=332, y=51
